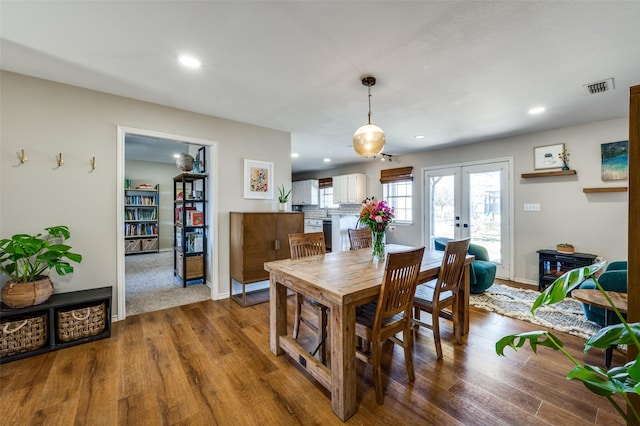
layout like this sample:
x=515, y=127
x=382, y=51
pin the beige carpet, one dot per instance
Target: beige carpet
x=151, y=286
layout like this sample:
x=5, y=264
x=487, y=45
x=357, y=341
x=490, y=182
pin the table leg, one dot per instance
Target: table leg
x=278, y=313
x=343, y=361
x=608, y=353
x=463, y=299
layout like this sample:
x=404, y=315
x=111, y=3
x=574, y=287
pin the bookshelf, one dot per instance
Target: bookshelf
x=141, y=220
x=190, y=227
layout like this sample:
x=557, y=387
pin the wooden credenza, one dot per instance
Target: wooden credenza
x=256, y=238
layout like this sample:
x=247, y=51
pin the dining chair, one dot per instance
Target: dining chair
x=434, y=296
x=304, y=245
x=359, y=238
x=390, y=314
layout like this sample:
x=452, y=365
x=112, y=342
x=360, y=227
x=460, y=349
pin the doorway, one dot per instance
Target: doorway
x=472, y=200
x=148, y=279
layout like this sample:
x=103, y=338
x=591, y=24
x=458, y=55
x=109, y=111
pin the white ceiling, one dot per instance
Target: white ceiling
x=456, y=72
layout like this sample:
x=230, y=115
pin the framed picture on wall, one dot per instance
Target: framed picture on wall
x=258, y=179
x=615, y=160
x=547, y=157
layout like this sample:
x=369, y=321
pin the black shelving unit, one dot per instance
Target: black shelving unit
x=553, y=264
x=190, y=227
x=56, y=303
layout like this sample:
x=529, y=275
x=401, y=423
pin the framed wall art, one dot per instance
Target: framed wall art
x=615, y=160
x=258, y=179
x=547, y=157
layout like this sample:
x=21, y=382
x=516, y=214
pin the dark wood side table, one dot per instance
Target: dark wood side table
x=553, y=264
x=596, y=298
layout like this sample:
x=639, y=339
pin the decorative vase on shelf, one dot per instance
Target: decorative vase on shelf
x=377, y=245
x=565, y=167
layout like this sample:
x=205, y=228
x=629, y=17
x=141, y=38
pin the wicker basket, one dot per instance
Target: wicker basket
x=80, y=323
x=21, y=295
x=23, y=335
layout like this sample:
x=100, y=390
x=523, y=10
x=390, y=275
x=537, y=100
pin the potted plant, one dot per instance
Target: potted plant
x=622, y=380
x=28, y=259
x=283, y=197
x=564, y=248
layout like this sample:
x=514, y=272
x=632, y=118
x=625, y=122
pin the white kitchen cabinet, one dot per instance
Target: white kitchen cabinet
x=304, y=192
x=350, y=189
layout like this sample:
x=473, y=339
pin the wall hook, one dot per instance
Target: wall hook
x=23, y=158
x=60, y=160
x=93, y=163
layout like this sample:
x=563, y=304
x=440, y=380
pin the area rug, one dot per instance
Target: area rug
x=566, y=316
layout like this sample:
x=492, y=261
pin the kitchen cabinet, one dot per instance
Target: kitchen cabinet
x=256, y=238
x=304, y=193
x=350, y=189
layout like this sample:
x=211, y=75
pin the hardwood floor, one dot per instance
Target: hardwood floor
x=209, y=363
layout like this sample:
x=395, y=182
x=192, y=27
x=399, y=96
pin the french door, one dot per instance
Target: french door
x=472, y=201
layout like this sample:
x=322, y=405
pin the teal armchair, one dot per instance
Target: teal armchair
x=483, y=271
x=614, y=278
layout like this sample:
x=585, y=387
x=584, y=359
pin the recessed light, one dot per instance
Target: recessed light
x=419, y=136
x=537, y=110
x=189, y=61
x=327, y=160
x=295, y=155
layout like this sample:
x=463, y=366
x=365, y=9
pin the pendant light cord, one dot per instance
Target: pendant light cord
x=369, y=91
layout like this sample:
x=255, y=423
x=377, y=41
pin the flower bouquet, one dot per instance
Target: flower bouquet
x=377, y=216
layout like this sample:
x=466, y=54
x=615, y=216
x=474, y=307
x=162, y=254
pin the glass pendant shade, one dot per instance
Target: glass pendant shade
x=369, y=140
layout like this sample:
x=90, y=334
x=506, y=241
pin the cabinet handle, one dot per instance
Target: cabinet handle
x=277, y=245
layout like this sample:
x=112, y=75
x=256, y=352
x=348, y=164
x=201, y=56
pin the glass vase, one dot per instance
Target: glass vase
x=377, y=245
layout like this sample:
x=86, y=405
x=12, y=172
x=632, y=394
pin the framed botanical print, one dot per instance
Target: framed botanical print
x=258, y=179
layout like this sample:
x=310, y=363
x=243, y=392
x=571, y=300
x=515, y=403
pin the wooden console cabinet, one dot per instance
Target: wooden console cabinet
x=256, y=238
x=57, y=303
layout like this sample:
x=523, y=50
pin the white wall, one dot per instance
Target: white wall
x=593, y=223
x=45, y=118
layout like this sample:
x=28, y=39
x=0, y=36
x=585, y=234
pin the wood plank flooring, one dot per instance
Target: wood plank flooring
x=209, y=364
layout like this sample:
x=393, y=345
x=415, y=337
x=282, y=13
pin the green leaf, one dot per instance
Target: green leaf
x=558, y=291
x=535, y=339
x=612, y=335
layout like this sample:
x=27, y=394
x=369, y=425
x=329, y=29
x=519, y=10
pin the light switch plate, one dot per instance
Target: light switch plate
x=532, y=207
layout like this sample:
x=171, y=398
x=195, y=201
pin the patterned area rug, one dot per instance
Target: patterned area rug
x=566, y=316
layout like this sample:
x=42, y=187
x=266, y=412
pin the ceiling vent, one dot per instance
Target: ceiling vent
x=598, y=86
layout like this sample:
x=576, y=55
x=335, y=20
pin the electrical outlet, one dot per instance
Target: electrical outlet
x=532, y=207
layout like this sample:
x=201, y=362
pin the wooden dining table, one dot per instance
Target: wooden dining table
x=341, y=281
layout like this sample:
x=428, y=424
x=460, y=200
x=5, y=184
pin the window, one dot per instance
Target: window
x=397, y=190
x=326, y=194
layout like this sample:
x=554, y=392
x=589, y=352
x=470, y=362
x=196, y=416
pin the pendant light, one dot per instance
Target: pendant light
x=369, y=140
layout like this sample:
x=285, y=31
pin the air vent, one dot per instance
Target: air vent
x=598, y=87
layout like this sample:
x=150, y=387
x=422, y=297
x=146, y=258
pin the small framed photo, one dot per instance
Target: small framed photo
x=258, y=179
x=547, y=157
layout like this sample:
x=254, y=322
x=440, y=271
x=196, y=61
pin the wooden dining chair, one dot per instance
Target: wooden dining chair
x=434, y=296
x=304, y=245
x=359, y=238
x=390, y=314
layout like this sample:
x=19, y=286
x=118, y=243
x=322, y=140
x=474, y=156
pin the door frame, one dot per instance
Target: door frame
x=212, y=209
x=510, y=207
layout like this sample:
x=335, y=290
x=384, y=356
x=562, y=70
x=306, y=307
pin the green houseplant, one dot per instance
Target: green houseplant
x=283, y=197
x=617, y=380
x=28, y=259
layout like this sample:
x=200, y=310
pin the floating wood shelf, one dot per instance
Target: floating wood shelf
x=547, y=174
x=606, y=189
